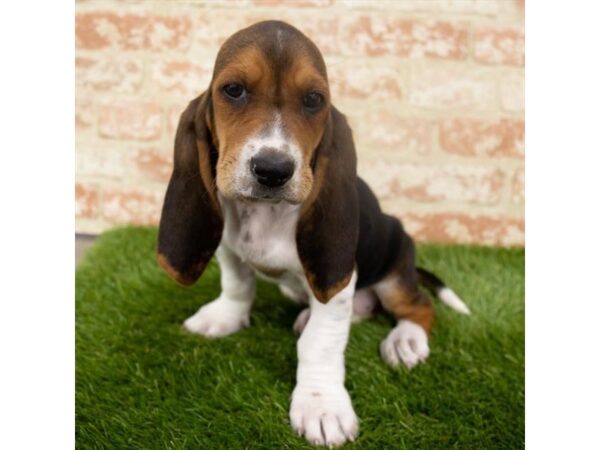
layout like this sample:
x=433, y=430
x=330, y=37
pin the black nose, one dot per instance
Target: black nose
x=272, y=168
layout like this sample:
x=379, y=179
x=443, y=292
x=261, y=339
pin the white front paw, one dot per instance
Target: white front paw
x=219, y=318
x=407, y=343
x=323, y=416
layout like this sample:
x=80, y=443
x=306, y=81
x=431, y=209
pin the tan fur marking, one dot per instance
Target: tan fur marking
x=207, y=176
x=325, y=295
x=164, y=263
x=317, y=186
x=407, y=304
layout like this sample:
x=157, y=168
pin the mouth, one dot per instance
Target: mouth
x=262, y=198
x=259, y=194
x=269, y=195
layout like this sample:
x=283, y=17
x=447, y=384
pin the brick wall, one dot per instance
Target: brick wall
x=434, y=91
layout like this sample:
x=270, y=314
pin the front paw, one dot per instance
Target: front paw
x=407, y=343
x=323, y=416
x=219, y=318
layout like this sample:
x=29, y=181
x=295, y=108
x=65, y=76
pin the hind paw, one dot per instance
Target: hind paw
x=407, y=343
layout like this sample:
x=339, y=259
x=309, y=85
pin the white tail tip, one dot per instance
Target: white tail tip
x=449, y=297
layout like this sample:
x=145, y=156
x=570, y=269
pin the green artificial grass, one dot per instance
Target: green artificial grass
x=143, y=382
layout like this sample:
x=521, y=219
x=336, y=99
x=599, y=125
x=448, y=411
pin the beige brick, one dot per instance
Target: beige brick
x=449, y=227
x=91, y=226
x=512, y=92
x=154, y=164
x=477, y=7
x=495, y=45
x=132, y=206
x=455, y=87
x=380, y=34
x=84, y=114
x=518, y=187
x=474, y=137
x=223, y=3
x=323, y=30
x=358, y=80
x=294, y=3
x=86, y=201
x=95, y=30
x=115, y=163
x=435, y=183
x=512, y=10
x=212, y=28
x=384, y=130
x=181, y=77
x=115, y=74
x=102, y=162
x=130, y=120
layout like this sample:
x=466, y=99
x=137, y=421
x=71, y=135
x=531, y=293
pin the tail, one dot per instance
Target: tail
x=443, y=292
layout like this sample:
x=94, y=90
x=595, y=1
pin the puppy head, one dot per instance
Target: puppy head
x=270, y=105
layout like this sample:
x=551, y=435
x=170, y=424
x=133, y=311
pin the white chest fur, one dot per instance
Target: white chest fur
x=263, y=235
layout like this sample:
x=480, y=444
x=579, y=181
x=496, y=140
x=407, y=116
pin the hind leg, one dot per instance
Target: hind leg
x=364, y=305
x=407, y=343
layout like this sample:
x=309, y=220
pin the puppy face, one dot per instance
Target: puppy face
x=270, y=105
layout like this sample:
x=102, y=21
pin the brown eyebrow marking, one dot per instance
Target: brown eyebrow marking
x=249, y=66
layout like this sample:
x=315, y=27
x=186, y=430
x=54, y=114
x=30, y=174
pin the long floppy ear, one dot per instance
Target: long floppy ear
x=191, y=223
x=327, y=232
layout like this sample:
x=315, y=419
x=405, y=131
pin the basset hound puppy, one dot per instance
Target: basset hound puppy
x=265, y=177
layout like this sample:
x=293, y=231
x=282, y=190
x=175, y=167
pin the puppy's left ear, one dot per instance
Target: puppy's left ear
x=327, y=233
x=191, y=223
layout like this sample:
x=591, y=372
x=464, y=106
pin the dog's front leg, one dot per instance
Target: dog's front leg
x=321, y=408
x=231, y=310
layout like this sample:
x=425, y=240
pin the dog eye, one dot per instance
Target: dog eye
x=234, y=90
x=312, y=101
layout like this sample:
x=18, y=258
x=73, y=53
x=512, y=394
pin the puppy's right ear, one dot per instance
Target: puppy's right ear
x=191, y=223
